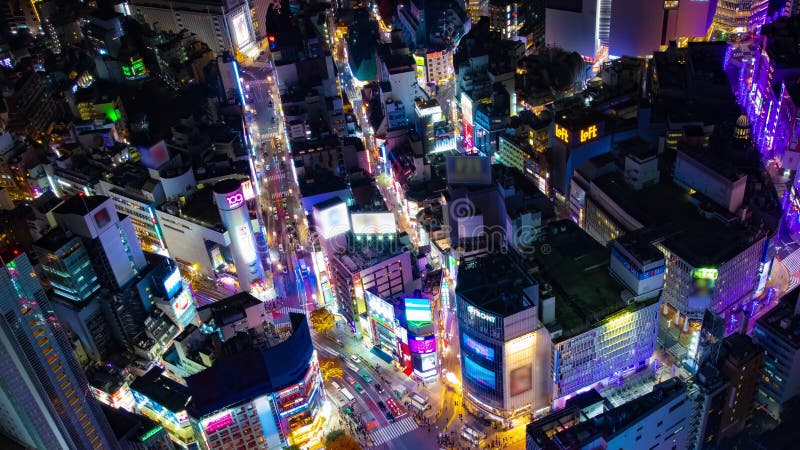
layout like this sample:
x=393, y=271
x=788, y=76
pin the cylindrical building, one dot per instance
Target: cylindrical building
x=233, y=210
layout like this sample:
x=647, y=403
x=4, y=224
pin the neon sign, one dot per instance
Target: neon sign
x=235, y=200
x=562, y=133
x=706, y=274
x=589, y=133
x=473, y=311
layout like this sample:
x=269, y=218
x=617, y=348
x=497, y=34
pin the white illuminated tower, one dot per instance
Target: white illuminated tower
x=233, y=211
x=44, y=396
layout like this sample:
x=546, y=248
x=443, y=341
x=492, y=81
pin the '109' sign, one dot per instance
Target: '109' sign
x=235, y=200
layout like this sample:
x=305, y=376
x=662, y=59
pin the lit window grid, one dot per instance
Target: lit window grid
x=605, y=351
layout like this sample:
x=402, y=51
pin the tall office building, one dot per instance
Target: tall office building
x=776, y=332
x=45, y=401
x=66, y=266
x=109, y=237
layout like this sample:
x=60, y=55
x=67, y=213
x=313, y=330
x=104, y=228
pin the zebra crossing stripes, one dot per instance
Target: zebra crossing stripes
x=792, y=263
x=393, y=430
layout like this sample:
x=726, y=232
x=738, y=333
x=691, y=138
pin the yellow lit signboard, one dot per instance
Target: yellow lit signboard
x=584, y=135
x=589, y=133
x=562, y=133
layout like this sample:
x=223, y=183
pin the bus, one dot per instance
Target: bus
x=347, y=395
x=419, y=401
x=365, y=376
x=472, y=435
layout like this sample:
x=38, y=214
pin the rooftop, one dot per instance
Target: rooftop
x=54, y=240
x=364, y=252
x=664, y=206
x=616, y=421
x=162, y=390
x=230, y=309
x=80, y=204
x=782, y=321
x=495, y=283
x=245, y=375
x=577, y=267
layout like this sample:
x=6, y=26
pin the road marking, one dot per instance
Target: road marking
x=393, y=430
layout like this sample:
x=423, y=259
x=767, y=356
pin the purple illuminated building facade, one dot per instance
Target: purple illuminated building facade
x=769, y=91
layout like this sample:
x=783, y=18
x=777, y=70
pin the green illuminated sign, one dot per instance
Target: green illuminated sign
x=706, y=273
x=135, y=69
x=151, y=433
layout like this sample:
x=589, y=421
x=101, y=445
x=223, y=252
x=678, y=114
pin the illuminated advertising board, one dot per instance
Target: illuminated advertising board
x=333, y=221
x=373, y=223
x=418, y=310
x=241, y=32
x=172, y=283
x=479, y=349
x=247, y=190
x=474, y=170
x=246, y=244
x=418, y=344
x=521, y=380
x=479, y=374
x=380, y=310
x=217, y=422
x=155, y=156
x=234, y=199
x=583, y=135
x=180, y=305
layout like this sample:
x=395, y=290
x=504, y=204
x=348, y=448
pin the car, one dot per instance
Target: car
x=389, y=416
x=350, y=379
x=285, y=270
x=355, y=359
x=381, y=405
x=297, y=248
x=378, y=388
x=358, y=388
x=335, y=385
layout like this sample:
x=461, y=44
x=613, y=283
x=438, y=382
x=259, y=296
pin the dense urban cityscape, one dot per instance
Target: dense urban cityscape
x=400, y=224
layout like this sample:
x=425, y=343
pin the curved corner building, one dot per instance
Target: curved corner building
x=263, y=397
x=503, y=354
x=232, y=206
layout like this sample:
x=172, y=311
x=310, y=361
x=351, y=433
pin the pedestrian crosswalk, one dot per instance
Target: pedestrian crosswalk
x=393, y=430
x=792, y=263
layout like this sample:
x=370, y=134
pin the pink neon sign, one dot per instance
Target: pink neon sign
x=235, y=200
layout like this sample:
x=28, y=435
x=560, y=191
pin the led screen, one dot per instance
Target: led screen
x=520, y=380
x=478, y=373
x=172, y=283
x=374, y=223
x=418, y=310
x=480, y=349
x=422, y=345
x=333, y=221
x=472, y=170
x=240, y=30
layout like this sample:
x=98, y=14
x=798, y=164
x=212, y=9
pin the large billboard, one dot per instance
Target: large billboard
x=241, y=32
x=479, y=374
x=521, y=380
x=332, y=221
x=172, y=283
x=418, y=310
x=418, y=344
x=373, y=223
x=479, y=349
x=472, y=170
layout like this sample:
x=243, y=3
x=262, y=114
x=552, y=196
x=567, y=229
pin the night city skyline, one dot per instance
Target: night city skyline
x=400, y=224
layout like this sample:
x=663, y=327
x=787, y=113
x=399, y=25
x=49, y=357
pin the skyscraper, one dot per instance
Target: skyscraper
x=109, y=237
x=45, y=401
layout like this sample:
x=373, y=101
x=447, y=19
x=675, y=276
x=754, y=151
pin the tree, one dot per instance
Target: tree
x=342, y=442
x=322, y=320
x=330, y=368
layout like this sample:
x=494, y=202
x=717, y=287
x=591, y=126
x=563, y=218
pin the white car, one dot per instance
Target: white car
x=355, y=359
